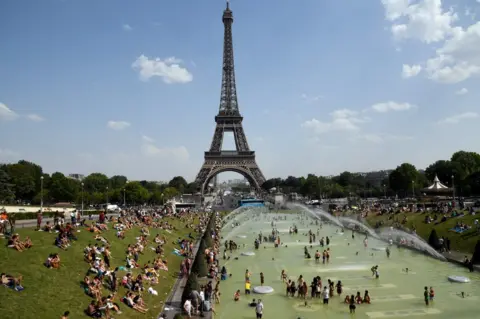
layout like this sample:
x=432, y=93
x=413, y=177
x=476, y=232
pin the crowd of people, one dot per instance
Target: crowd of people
x=114, y=282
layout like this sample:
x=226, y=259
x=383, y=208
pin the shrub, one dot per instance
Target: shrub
x=200, y=264
x=476, y=254
x=190, y=285
x=433, y=240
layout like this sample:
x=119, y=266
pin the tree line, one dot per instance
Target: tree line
x=461, y=172
x=25, y=182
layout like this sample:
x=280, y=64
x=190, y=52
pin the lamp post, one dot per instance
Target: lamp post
x=107, y=196
x=384, y=191
x=82, y=197
x=453, y=188
x=413, y=188
x=124, y=201
x=41, y=194
x=162, y=199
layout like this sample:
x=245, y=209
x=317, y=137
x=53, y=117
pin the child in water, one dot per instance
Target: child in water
x=236, y=296
x=262, y=279
x=431, y=294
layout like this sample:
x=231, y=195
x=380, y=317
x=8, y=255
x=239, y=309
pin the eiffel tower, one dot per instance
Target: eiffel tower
x=229, y=119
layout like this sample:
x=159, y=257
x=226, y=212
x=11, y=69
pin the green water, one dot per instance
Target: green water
x=394, y=295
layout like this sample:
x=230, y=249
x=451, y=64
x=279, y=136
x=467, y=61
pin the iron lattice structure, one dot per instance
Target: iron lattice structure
x=242, y=160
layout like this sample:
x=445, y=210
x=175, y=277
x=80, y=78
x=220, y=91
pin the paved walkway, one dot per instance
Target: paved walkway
x=458, y=258
x=173, y=304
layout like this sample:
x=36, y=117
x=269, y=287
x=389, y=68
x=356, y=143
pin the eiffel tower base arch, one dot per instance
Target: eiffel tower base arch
x=247, y=169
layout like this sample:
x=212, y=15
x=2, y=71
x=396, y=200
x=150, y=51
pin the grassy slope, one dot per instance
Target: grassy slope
x=50, y=292
x=464, y=242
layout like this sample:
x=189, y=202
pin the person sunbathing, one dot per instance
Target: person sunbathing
x=55, y=261
x=102, y=239
x=47, y=227
x=129, y=301
x=93, y=311
x=14, y=242
x=11, y=281
x=28, y=242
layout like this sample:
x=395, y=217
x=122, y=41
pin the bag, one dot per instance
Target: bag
x=207, y=306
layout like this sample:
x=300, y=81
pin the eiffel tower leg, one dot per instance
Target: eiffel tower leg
x=249, y=169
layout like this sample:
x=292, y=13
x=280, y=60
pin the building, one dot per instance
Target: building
x=77, y=177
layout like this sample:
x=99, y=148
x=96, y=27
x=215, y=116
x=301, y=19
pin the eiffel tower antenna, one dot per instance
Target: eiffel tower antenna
x=242, y=160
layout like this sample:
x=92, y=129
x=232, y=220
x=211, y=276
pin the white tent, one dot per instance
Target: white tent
x=437, y=186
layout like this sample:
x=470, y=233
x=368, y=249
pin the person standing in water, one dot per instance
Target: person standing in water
x=262, y=279
x=426, y=296
x=388, y=252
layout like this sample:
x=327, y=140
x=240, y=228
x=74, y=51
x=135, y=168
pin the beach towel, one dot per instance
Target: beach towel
x=458, y=230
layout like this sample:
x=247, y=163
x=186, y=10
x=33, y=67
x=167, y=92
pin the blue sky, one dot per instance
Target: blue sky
x=132, y=87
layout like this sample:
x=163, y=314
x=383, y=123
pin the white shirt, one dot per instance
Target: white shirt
x=326, y=294
x=202, y=296
x=259, y=308
x=187, y=305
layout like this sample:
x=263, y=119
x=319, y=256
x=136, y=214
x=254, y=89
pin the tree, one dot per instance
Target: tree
x=444, y=170
x=170, y=192
x=21, y=176
x=7, y=194
x=63, y=189
x=473, y=183
x=136, y=193
x=433, y=240
x=469, y=162
x=96, y=182
x=401, y=178
x=191, y=188
x=179, y=183
x=118, y=181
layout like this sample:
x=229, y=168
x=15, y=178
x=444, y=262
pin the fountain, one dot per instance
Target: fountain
x=317, y=213
x=403, y=273
x=413, y=241
x=346, y=221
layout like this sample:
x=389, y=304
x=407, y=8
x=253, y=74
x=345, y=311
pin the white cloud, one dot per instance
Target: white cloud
x=455, y=119
x=35, y=118
x=342, y=120
x=380, y=138
x=127, y=27
x=311, y=99
x=391, y=106
x=462, y=91
x=424, y=20
x=175, y=153
x=409, y=71
x=117, y=125
x=169, y=69
x=148, y=139
x=458, y=56
x=6, y=113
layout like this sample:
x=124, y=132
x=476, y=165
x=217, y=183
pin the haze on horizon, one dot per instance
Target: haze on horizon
x=324, y=87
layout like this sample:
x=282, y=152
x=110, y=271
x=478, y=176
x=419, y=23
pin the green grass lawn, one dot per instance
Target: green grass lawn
x=464, y=242
x=50, y=292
